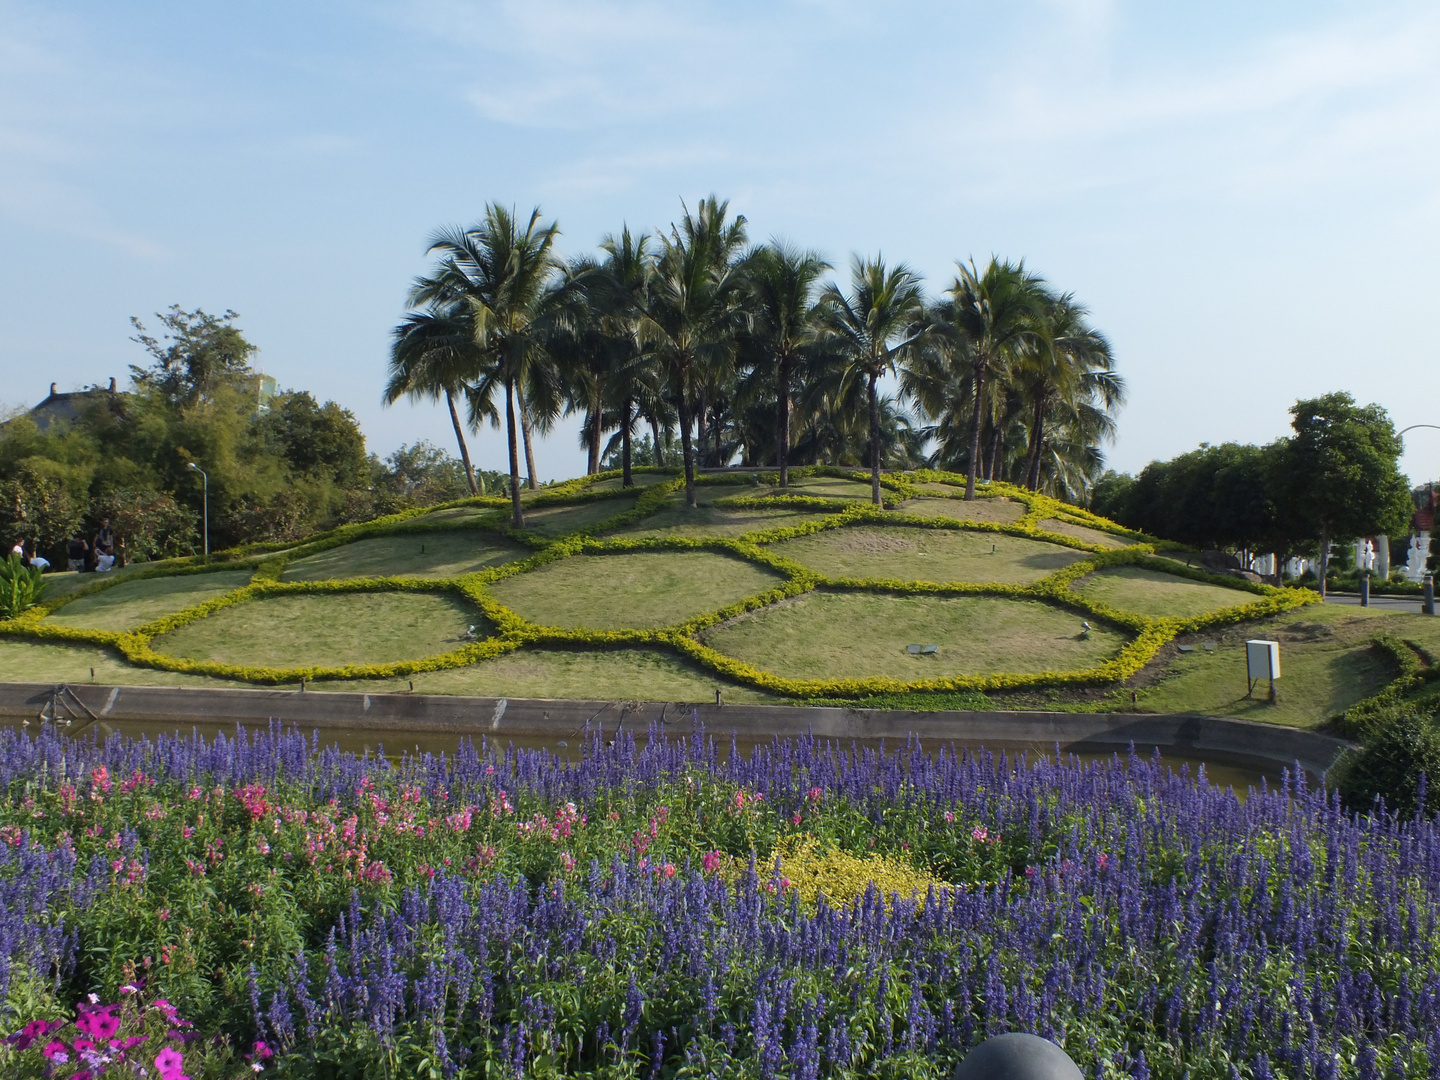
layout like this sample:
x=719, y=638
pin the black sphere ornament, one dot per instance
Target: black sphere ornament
x=1017, y=1056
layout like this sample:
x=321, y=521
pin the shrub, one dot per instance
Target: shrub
x=1398, y=762
x=20, y=586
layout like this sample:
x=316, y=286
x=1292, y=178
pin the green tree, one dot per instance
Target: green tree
x=869, y=331
x=318, y=441
x=692, y=313
x=148, y=524
x=195, y=354
x=990, y=317
x=38, y=508
x=431, y=355
x=784, y=327
x=1067, y=378
x=496, y=275
x=1340, y=477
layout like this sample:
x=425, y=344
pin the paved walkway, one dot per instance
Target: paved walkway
x=1383, y=603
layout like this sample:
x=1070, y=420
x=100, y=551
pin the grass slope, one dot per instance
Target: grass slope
x=132, y=603
x=1132, y=588
x=933, y=555
x=841, y=635
x=599, y=674
x=999, y=511
x=644, y=589
x=445, y=554
x=341, y=628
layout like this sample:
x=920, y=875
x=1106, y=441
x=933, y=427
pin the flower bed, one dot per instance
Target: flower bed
x=659, y=910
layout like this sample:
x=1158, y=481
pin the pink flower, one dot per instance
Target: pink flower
x=711, y=861
x=54, y=1050
x=949, y=817
x=979, y=833
x=669, y=869
x=101, y=1023
x=815, y=794
x=169, y=1062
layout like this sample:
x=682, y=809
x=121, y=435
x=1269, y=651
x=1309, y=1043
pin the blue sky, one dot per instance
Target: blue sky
x=1246, y=196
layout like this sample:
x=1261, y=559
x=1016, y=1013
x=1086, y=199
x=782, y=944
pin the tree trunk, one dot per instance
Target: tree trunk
x=627, y=420
x=460, y=438
x=715, y=426
x=517, y=514
x=782, y=423
x=974, y=463
x=1324, y=555
x=1037, y=441
x=526, y=428
x=655, y=435
x=596, y=422
x=687, y=450
x=874, y=440
x=997, y=449
x=700, y=431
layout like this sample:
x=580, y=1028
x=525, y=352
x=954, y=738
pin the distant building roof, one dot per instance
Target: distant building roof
x=66, y=408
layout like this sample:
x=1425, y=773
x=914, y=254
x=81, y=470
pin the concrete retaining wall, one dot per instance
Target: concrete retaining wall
x=1261, y=746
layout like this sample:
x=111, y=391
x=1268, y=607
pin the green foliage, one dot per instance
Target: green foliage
x=1367, y=716
x=1399, y=762
x=1341, y=477
x=37, y=507
x=195, y=355
x=149, y=524
x=20, y=586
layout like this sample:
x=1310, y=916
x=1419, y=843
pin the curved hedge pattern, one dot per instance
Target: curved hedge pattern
x=513, y=631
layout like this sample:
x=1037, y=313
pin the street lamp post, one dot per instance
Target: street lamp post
x=205, y=488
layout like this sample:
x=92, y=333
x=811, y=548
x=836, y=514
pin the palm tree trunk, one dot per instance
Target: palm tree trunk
x=1037, y=440
x=517, y=514
x=874, y=440
x=460, y=438
x=526, y=428
x=655, y=435
x=782, y=422
x=997, y=448
x=700, y=430
x=687, y=450
x=592, y=466
x=974, y=462
x=627, y=419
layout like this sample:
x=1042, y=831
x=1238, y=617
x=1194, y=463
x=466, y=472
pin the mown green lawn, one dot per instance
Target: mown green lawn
x=327, y=630
x=846, y=635
x=1327, y=664
x=1149, y=592
x=443, y=554
x=598, y=675
x=131, y=603
x=935, y=555
x=1081, y=532
x=997, y=511
x=643, y=589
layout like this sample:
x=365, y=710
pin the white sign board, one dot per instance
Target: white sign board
x=1262, y=659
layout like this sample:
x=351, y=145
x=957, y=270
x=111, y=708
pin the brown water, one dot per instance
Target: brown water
x=397, y=742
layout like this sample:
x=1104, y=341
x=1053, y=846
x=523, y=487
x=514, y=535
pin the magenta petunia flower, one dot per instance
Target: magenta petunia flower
x=102, y=1024
x=169, y=1062
x=55, y=1050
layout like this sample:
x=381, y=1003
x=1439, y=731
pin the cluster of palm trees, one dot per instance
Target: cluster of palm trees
x=745, y=352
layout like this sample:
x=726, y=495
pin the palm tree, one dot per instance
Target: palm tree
x=993, y=314
x=782, y=281
x=619, y=290
x=692, y=312
x=433, y=354
x=499, y=276
x=869, y=330
x=1069, y=370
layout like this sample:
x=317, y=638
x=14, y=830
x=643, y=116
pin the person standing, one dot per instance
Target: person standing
x=77, y=552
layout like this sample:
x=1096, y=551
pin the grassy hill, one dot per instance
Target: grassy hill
x=806, y=594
